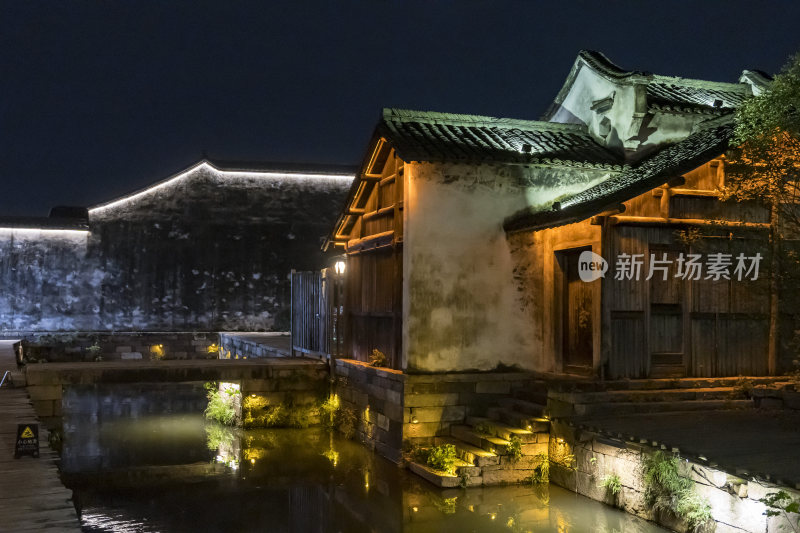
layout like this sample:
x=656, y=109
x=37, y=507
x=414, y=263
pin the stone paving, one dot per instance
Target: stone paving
x=759, y=442
x=32, y=497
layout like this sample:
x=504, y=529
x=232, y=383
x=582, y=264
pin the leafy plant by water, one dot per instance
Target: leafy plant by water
x=611, y=483
x=220, y=404
x=442, y=458
x=218, y=436
x=559, y=453
x=782, y=504
x=514, y=448
x=337, y=416
x=667, y=490
x=541, y=474
x=94, y=350
x=259, y=413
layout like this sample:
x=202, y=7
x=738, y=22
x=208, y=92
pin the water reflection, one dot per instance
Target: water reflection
x=172, y=471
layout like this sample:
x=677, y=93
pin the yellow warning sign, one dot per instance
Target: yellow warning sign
x=27, y=433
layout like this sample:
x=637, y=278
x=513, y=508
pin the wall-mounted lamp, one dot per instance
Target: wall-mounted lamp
x=339, y=267
x=414, y=419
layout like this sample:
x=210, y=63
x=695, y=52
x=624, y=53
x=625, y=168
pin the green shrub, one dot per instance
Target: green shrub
x=346, y=422
x=442, y=458
x=329, y=408
x=611, y=483
x=666, y=490
x=220, y=404
x=541, y=474
x=782, y=504
x=514, y=448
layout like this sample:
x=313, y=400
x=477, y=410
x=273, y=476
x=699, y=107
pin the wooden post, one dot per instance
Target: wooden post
x=291, y=313
x=774, y=307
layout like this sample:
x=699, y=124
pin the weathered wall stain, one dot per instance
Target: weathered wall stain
x=210, y=251
x=465, y=309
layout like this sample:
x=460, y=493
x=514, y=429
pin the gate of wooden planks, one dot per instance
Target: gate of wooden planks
x=313, y=316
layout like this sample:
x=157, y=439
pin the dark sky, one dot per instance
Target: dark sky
x=98, y=98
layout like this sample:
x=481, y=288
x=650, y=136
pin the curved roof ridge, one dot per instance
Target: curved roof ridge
x=206, y=163
x=457, y=119
x=694, y=82
x=599, y=61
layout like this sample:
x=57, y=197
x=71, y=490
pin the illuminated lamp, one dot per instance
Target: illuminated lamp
x=339, y=267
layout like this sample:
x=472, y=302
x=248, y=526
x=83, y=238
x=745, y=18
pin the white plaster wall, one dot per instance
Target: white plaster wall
x=589, y=87
x=643, y=133
x=461, y=306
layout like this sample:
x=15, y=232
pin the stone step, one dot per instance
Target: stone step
x=524, y=406
x=641, y=396
x=489, y=443
x=517, y=419
x=437, y=478
x=625, y=408
x=497, y=428
x=469, y=453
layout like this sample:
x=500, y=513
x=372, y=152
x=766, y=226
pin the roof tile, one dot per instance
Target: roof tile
x=429, y=136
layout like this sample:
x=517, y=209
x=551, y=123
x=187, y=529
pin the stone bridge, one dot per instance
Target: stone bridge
x=276, y=378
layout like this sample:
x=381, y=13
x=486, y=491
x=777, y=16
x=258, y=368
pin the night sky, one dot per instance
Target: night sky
x=101, y=98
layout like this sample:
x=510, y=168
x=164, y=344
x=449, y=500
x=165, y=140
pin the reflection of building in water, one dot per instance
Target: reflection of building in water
x=98, y=419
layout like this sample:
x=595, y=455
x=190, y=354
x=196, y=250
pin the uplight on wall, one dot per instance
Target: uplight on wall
x=339, y=267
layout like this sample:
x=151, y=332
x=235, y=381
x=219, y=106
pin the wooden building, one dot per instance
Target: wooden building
x=464, y=236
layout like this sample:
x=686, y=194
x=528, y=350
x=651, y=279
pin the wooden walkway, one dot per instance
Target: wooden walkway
x=32, y=497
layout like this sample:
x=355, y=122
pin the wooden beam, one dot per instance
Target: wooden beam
x=382, y=212
x=686, y=192
x=378, y=240
x=659, y=221
x=355, y=211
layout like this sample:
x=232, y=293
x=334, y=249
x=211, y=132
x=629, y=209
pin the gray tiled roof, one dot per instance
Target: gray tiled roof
x=430, y=136
x=653, y=171
x=683, y=95
x=668, y=93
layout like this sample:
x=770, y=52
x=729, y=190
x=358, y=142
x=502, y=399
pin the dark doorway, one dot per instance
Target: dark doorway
x=577, y=315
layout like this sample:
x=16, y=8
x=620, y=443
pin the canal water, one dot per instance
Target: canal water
x=141, y=458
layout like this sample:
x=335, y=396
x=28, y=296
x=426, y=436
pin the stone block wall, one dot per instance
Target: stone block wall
x=434, y=402
x=236, y=346
x=394, y=407
x=80, y=346
x=734, y=500
x=376, y=397
x=291, y=394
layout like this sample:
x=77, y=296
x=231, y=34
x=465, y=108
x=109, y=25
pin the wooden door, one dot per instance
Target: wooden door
x=577, y=316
